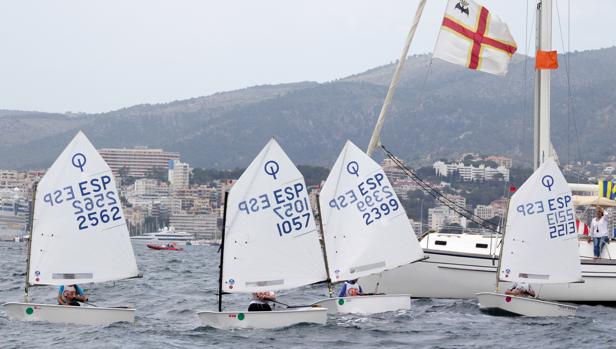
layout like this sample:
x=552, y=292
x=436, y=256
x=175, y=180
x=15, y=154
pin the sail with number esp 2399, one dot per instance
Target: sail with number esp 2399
x=365, y=227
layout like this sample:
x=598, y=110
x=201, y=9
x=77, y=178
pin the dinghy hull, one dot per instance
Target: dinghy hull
x=262, y=319
x=366, y=305
x=68, y=314
x=498, y=303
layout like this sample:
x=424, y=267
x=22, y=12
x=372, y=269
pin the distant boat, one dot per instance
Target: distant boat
x=79, y=235
x=172, y=246
x=165, y=235
x=13, y=214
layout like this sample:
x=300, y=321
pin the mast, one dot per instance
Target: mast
x=322, y=233
x=222, y=251
x=375, y=139
x=502, y=243
x=543, y=42
x=30, y=230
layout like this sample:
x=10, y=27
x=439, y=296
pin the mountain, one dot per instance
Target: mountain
x=439, y=111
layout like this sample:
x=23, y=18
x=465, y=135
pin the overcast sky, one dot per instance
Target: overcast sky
x=96, y=56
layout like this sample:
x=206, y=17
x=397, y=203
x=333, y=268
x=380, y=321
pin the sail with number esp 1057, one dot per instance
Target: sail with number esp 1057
x=271, y=239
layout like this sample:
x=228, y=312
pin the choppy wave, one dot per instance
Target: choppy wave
x=177, y=285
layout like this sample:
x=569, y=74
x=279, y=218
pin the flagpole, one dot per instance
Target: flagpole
x=376, y=134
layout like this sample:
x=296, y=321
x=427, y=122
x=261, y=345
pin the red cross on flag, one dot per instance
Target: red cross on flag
x=474, y=37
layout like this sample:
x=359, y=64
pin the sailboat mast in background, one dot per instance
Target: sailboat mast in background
x=542, y=149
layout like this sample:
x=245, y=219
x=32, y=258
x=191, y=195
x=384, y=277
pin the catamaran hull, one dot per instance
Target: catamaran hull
x=366, y=305
x=68, y=314
x=463, y=275
x=502, y=304
x=262, y=319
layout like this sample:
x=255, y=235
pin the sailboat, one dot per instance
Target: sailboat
x=462, y=265
x=540, y=244
x=365, y=229
x=270, y=242
x=78, y=235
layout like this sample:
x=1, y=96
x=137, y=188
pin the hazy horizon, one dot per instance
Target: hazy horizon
x=97, y=57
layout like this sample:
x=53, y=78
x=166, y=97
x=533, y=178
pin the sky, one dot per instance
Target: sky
x=97, y=56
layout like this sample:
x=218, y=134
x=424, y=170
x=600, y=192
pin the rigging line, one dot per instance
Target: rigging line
x=566, y=52
x=527, y=123
x=569, y=89
x=525, y=86
x=427, y=188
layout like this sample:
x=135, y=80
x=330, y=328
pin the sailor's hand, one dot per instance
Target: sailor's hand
x=85, y=298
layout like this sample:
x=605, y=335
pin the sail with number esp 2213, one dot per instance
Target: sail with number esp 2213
x=365, y=227
x=541, y=243
x=79, y=232
x=271, y=239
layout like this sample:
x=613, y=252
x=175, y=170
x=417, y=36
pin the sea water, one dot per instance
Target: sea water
x=176, y=285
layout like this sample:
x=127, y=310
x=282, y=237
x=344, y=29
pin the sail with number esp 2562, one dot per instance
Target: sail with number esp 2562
x=271, y=239
x=365, y=227
x=541, y=243
x=79, y=231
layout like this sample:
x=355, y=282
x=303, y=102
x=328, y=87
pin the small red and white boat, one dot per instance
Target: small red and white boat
x=170, y=247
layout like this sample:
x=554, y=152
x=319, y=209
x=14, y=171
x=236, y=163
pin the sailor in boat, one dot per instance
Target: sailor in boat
x=351, y=288
x=260, y=301
x=521, y=289
x=599, y=232
x=71, y=295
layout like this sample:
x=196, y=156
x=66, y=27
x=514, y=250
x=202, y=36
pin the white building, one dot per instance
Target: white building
x=440, y=216
x=471, y=173
x=484, y=211
x=138, y=161
x=202, y=226
x=179, y=174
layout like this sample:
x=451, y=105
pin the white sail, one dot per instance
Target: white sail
x=541, y=244
x=79, y=230
x=271, y=240
x=365, y=227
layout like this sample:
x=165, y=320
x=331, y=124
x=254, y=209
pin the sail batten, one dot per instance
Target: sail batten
x=365, y=227
x=79, y=233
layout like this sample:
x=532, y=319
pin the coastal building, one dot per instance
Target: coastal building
x=501, y=161
x=440, y=216
x=471, y=173
x=202, y=226
x=137, y=162
x=484, y=211
x=179, y=174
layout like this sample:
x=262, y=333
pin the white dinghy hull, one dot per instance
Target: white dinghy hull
x=262, y=319
x=366, y=305
x=493, y=302
x=68, y=314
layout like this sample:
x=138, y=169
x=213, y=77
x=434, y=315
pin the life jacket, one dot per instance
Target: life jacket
x=352, y=289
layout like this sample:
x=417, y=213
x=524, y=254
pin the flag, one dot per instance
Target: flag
x=607, y=189
x=474, y=37
x=546, y=60
x=581, y=227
